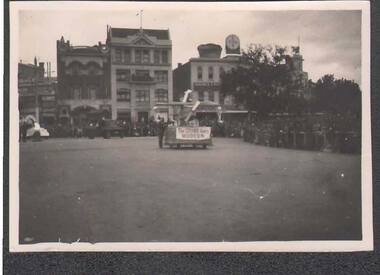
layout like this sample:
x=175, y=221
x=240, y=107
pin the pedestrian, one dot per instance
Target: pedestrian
x=23, y=129
x=161, y=129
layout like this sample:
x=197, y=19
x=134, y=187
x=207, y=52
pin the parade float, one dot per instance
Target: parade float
x=185, y=130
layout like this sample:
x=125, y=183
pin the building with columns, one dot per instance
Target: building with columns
x=140, y=73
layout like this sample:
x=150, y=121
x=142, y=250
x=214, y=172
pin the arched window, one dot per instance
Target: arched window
x=221, y=71
x=200, y=72
x=210, y=73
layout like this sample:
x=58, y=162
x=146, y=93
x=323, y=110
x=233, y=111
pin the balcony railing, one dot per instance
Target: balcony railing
x=141, y=79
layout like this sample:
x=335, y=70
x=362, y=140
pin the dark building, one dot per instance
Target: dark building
x=37, y=93
x=83, y=82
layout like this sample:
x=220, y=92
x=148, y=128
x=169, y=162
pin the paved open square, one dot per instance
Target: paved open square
x=128, y=190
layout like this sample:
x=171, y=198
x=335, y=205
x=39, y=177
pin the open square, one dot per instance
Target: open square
x=128, y=190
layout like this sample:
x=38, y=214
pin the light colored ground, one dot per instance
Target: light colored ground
x=128, y=190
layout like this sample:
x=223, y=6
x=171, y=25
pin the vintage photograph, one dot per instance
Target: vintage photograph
x=169, y=124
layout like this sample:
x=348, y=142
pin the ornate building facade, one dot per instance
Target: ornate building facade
x=83, y=82
x=140, y=71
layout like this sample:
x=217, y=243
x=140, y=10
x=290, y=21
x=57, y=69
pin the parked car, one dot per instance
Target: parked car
x=105, y=128
x=37, y=132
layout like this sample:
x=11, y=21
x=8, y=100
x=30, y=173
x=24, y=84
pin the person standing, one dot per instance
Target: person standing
x=161, y=129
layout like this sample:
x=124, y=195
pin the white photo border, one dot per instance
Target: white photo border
x=366, y=244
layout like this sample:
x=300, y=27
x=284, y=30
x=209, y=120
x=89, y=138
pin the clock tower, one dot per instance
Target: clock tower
x=232, y=44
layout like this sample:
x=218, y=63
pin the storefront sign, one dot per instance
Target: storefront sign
x=212, y=85
x=193, y=133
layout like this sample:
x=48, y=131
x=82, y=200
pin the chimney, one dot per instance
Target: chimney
x=42, y=68
x=179, y=64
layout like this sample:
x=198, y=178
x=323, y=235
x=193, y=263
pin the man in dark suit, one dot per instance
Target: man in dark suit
x=161, y=129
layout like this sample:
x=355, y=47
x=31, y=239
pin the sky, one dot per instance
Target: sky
x=330, y=41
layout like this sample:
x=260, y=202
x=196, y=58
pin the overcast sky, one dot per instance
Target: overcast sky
x=330, y=40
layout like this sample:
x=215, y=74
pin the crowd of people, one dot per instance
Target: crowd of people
x=335, y=133
x=135, y=129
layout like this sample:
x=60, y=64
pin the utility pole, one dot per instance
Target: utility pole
x=36, y=94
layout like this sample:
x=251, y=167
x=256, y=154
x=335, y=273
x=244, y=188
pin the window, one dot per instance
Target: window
x=84, y=94
x=142, y=116
x=164, y=56
x=211, y=96
x=122, y=75
x=117, y=55
x=138, y=56
x=124, y=116
x=123, y=95
x=142, y=96
x=92, y=70
x=210, y=73
x=76, y=69
x=146, y=57
x=161, y=76
x=142, y=73
x=48, y=104
x=156, y=56
x=161, y=95
x=92, y=92
x=75, y=93
x=200, y=73
x=127, y=56
x=221, y=71
x=201, y=96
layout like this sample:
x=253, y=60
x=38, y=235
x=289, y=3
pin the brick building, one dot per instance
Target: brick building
x=83, y=82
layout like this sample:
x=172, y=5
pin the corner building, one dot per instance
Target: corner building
x=203, y=76
x=141, y=73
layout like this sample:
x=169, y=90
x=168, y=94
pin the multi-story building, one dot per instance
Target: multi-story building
x=140, y=71
x=83, y=82
x=202, y=75
x=37, y=93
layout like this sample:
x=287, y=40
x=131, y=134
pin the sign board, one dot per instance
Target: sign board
x=193, y=133
x=214, y=86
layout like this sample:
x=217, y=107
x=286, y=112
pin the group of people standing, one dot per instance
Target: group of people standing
x=25, y=123
x=334, y=133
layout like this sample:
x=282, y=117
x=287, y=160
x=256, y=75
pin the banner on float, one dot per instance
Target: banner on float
x=193, y=133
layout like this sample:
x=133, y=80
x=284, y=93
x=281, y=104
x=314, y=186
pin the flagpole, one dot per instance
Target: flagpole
x=141, y=11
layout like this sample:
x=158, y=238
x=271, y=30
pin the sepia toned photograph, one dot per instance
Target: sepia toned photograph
x=190, y=127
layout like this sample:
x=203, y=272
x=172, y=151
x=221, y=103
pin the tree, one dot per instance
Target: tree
x=263, y=81
x=336, y=96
